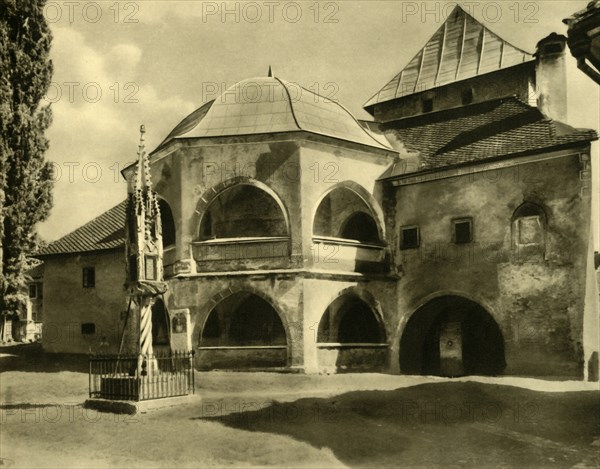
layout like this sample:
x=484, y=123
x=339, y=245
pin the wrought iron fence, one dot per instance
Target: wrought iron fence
x=139, y=378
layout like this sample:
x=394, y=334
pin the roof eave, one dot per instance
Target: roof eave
x=557, y=147
x=43, y=256
x=278, y=133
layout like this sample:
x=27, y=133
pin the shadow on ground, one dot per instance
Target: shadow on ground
x=31, y=357
x=25, y=406
x=439, y=424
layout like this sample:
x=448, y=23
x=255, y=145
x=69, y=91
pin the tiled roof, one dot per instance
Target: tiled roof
x=267, y=105
x=107, y=231
x=461, y=48
x=475, y=133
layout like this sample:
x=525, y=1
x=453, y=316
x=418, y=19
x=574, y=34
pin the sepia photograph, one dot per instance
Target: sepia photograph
x=299, y=234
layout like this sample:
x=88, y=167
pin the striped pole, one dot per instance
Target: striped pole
x=146, y=328
x=146, y=361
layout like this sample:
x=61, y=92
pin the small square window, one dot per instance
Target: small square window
x=88, y=328
x=33, y=291
x=89, y=277
x=463, y=231
x=467, y=96
x=409, y=237
x=427, y=104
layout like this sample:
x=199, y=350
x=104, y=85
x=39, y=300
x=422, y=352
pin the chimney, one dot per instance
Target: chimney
x=551, y=76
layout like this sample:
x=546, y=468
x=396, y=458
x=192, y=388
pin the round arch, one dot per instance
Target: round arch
x=351, y=334
x=529, y=232
x=365, y=196
x=529, y=209
x=351, y=303
x=223, y=295
x=449, y=334
x=211, y=194
x=365, y=296
x=242, y=327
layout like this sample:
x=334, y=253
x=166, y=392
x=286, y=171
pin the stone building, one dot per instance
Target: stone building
x=450, y=235
x=84, y=299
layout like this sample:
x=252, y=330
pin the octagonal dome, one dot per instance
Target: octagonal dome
x=268, y=105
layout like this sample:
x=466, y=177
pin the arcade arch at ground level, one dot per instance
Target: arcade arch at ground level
x=243, y=330
x=351, y=336
x=452, y=336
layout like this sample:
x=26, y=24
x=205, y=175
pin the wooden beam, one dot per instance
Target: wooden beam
x=420, y=69
x=442, y=48
x=462, y=47
x=482, y=49
x=399, y=82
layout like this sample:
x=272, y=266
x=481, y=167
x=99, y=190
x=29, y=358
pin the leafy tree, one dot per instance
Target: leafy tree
x=25, y=176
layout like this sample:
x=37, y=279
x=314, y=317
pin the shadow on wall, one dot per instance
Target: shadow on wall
x=427, y=425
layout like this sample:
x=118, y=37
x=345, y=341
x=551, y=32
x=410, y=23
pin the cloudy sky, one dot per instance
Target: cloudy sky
x=120, y=64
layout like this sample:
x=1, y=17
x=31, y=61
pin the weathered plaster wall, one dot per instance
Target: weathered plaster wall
x=538, y=304
x=201, y=294
x=67, y=304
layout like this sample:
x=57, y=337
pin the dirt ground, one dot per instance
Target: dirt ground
x=293, y=420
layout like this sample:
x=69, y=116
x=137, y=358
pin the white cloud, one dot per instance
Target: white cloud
x=94, y=135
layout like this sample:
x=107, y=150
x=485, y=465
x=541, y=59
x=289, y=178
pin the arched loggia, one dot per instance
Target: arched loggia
x=243, y=330
x=243, y=211
x=349, y=319
x=351, y=336
x=343, y=213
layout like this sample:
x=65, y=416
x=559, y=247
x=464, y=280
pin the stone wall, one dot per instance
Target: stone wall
x=538, y=303
x=68, y=305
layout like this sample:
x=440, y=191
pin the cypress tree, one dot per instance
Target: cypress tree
x=25, y=176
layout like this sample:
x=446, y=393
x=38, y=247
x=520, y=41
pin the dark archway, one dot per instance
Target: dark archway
x=167, y=223
x=243, y=211
x=344, y=214
x=350, y=320
x=361, y=227
x=160, y=324
x=452, y=336
x=243, y=330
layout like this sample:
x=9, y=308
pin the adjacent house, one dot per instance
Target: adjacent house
x=84, y=299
